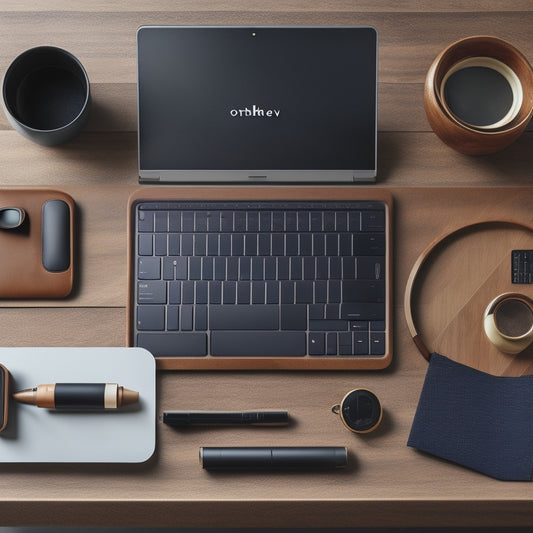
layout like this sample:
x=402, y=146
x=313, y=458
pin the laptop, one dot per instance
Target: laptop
x=257, y=104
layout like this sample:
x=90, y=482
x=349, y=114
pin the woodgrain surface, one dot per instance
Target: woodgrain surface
x=387, y=484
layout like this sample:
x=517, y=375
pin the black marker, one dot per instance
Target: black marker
x=226, y=418
x=274, y=458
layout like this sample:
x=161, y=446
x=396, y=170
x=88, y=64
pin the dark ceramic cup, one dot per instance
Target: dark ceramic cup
x=46, y=95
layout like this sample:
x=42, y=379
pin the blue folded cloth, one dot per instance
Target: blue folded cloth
x=477, y=420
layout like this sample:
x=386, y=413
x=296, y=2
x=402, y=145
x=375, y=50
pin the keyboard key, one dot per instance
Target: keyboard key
x=287, y=292
x=316, y=311
x=294, y=317
x=195, y=268
x=200, y=221
x=265, y=220
x=213, y=221
x=363, y=311
x=303, y=221
x=201, y=295
x=174, y=221
x=253, y=221
x=187, y=241
x=304, y=292
x=145, y=244
x=168, y=268
x=373, y=220
x=226, y=221
x=377, y=343
x=212, y=244
x=317, y=344
x=331, y=344
x=160, y=244
x=149, y=268
x=174, y=292
x=174, y=344
x=243, y=292
x=278, y=244
x=174, y=244
x=263, y=244
x=369, y=244
x=371, y=268
x=258, y=292
x=360, y=343
x=187, y=292
x=229, y=292
x=161, y=221
x=278, y=221
x=321, y=292
x=186, y=317
x=215, y=292
x=329, y=221
x=173, y=315
x=272, y=292
x=151, y=317
x=232, y=268
x=187, y=220
x=270, y=268
x=182, y=267
x=328, y=325
x=207, y=268
x=200, y=318
x=316, y=221
x=345, y=343
x=291, y=223
x=243, y=317
x=200, y=244
x=151, y=292
x=145, y=221
x=296, y=268
x=257, y=268
x=258, y=343
x=363, y=291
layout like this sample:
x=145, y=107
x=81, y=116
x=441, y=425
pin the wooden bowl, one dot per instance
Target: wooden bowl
x=457, y=134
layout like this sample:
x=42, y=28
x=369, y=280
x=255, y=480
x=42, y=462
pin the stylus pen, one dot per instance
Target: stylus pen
x=274, y=457
x=77, y=396
x=223, y=418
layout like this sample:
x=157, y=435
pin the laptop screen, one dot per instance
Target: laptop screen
x=277, y=104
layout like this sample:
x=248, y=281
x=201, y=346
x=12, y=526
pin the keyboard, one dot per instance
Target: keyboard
x=293, y=284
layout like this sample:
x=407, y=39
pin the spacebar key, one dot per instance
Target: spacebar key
x=258, y=343
x=173, y=344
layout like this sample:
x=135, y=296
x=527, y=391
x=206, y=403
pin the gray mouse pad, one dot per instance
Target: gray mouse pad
x=124, y=435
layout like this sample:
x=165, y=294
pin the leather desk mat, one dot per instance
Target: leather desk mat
x=22, y=273
x=466, y=271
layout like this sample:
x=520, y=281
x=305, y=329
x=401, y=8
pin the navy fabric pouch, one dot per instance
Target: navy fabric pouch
x=477, y=420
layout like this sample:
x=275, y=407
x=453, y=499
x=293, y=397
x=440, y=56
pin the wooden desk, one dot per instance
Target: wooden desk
x=387, y=483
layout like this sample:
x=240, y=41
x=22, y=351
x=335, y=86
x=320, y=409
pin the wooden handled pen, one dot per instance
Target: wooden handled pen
x=77, y=396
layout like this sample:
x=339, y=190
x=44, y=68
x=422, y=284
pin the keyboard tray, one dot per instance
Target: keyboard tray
x=189, y=323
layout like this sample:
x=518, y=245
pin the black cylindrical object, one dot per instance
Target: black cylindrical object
x=274, y=457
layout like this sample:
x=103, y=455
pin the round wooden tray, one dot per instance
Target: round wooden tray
x=451, y=285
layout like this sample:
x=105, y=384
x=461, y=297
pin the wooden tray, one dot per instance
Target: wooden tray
x=462, y=273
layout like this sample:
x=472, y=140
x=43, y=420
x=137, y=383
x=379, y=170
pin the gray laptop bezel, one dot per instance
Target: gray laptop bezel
x=279, y=176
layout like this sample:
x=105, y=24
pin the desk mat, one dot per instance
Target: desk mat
x=39, y=435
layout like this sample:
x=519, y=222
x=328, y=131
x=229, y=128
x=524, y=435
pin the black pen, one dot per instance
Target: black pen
x=226, y=418
x=287, y=457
